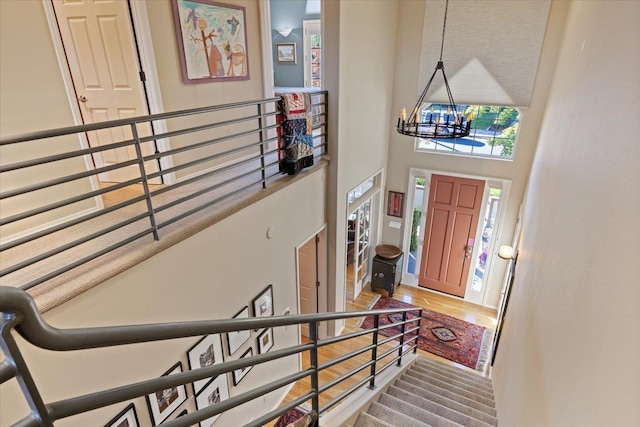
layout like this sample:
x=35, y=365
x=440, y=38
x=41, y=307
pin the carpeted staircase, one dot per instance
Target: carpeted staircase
x=433, y=394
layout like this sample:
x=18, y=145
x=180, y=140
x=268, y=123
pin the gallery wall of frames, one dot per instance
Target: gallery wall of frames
x=208, y=350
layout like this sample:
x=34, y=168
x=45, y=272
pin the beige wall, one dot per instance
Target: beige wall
x=211, y=275
x=33, y=97
x=571, y=343
x=402, y=156
x=360, y=85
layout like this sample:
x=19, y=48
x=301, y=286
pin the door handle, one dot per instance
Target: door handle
x=82, y=98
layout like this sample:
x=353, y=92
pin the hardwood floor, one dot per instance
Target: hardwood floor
x=420, y=297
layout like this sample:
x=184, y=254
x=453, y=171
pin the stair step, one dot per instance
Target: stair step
x=456, y=381
x=368, y=420
x=455, y=370
x=457, y=390
x=475, y=382
x=449, y=394
x=393, y=417
x=435, y=408
x=415, y=412
x=447, y=402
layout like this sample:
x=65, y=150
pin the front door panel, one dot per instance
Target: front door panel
x=452, y=219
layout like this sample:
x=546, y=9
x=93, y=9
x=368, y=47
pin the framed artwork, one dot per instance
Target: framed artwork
x=206, y=352
x=163, y=403
x=239, y=374
x=395, y=204
x=214, y=392
x=212, y=40
x=265, y=340
x=263, y=303
x=236, y=339
x=286, y=53
x=127, y=418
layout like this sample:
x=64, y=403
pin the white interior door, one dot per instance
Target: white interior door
x=101, y=52
x=312, y=48
x=362, y=246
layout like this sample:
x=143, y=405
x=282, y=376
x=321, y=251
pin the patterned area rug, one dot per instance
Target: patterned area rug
x=454, y=339
x=292, y=415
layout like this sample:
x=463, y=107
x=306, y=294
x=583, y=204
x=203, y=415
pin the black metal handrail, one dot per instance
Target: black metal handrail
x=45, y=217
x=20, y=313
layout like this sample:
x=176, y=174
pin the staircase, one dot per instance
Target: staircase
x=433, y=394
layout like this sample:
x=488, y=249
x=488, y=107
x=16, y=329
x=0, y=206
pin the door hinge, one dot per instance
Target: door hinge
x=317, y=284
x=143, y=76
x=317, y=239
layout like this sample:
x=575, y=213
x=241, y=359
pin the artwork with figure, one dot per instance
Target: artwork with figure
x=212, y=39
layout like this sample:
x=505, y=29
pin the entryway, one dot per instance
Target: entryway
x=311, y=264
x=108, y=83
x=451, y=238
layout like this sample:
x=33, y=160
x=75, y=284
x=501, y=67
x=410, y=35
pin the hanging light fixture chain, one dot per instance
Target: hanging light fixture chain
x=444, y=27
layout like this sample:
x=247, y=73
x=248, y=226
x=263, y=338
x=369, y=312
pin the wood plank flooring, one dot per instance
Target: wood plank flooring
x=429, y=300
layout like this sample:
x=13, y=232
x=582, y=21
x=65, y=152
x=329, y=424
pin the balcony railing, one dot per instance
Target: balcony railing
x=131, y=180
x=382, y=351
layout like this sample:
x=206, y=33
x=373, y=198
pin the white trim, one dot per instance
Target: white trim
x=54, y=223
x=267, y=48
x=307, y=26
x=152, y=85
x=412, y=280
x=56, y=39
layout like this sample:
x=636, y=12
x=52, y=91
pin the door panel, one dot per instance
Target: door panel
x=101, y=52
x=452, y=219
x=307, y=284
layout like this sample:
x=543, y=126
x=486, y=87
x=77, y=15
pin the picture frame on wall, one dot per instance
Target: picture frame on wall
x=239, y=374
x=216, y=391
x=206, y=352
x=265, y=341
x=126, y=418
x=212, y=41
x=163, y=403
x=395, y=204
x=263, y=303
x=236, y=339
x=286, y=53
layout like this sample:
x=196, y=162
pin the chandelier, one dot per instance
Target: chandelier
x=447, y=122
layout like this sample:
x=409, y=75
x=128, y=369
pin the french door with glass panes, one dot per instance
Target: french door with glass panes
x=362, y=225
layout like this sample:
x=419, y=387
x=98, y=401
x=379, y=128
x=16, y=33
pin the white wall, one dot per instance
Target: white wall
x=402, y=156
x=570, y=348
x=364, y=44
x=211, y=275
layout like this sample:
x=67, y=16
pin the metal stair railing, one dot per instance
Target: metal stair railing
x=218, y=152
x=19, y=313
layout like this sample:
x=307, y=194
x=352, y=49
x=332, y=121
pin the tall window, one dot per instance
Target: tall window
x=494, y=132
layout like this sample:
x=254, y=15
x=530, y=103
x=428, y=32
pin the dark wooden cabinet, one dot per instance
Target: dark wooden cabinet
x=386, y=273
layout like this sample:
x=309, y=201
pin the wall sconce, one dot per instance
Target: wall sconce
x=506, y=252
x=284, y=32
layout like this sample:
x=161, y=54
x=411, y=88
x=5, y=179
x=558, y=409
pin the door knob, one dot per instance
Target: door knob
x=82, y=98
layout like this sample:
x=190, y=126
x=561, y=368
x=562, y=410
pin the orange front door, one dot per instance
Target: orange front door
x=452, y=219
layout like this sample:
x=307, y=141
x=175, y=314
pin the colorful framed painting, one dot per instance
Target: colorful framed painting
x=206, y=352
x=162, y=403
x=127, y=418
x=212, y=41
x=236, y=339
x=216, y=391
x=395, y=204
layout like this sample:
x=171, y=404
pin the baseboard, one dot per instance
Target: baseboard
x=42, y=227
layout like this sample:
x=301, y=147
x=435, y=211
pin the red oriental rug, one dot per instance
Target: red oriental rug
x=454, y=339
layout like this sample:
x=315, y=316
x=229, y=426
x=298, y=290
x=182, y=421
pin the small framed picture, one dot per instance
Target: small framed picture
x=263, y=303
x=127, y=418
x=239, y=374
x=236, y=339
x=163, y=403
x=286, y=53
x=214, y=392
x=265, y=340
x=206, y=352
x=395, y=204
